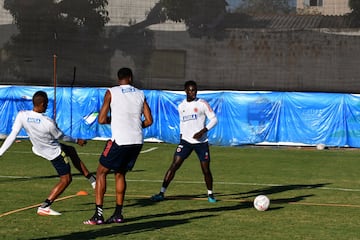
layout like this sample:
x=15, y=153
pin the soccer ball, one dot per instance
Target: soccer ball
x=261, y=203
x=320, y=146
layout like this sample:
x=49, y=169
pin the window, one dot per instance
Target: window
x=167, y=64
x=315, y=3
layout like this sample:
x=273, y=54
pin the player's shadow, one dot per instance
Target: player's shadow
x=126, y=228
x=274, y=189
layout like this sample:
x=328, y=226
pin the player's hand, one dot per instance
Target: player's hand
x=81, y=142
x=199, y=134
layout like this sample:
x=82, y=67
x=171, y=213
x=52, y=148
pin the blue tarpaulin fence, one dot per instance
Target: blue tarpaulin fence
x=332, y=119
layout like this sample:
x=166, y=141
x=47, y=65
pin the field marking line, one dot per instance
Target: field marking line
x=200, y=182
x=245, y=201
x=325, y=204
x=35, y=205
x=92, y=154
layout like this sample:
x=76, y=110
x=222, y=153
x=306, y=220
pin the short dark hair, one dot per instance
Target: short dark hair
x=124, y=73
x=39, y=97
x=190, y=83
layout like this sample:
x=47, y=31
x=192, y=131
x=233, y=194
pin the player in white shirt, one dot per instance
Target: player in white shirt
x=44, y=135
x=130, y=113
x=193, y=113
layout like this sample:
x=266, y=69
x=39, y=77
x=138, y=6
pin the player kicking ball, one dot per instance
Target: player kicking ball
x=193, y=128
x=44, y=136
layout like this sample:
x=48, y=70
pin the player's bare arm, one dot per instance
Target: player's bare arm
x=147, y=115
x=103, y=117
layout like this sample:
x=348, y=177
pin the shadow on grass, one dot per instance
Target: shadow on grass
x=152, y=222
x=273, y=189
x=125, y=228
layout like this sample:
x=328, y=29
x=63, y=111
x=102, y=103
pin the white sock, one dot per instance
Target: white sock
x=163, y=190
x=210, y=192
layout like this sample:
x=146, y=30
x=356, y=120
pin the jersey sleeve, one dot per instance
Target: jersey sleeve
x=210, y=115
x=12, y=136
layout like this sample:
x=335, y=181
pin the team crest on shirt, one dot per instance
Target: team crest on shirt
x=179, y=148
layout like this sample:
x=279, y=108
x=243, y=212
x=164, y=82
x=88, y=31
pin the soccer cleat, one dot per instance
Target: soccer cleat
x=115, y=219
x=95, y=220
x=157, y=197
x=211, y=199
x=47, y=211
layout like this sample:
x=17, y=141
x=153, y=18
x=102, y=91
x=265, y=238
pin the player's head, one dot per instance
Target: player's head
x=40, y=101
x=125, y=74
x=190, y=90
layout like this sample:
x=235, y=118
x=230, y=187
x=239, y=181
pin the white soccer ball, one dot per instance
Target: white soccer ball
x=261, y=203
x=320, y=146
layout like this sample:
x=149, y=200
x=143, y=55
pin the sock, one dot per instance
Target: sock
x=118, y=210
x=99, y=210
x=91, y=178
x=162, y=190
x=210, y=193
x=46, y=203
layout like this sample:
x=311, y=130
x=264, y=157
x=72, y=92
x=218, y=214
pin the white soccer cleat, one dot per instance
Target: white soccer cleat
x=47, y=211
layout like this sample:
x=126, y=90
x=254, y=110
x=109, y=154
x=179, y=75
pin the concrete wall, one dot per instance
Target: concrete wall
x=313, y=60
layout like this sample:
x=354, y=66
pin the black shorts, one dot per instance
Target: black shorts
x=61, y=164
x=119, y=157
x=185, y=148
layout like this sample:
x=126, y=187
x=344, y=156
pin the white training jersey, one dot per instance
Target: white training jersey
x=193, y=118
x=127, y=104
x=42, y=131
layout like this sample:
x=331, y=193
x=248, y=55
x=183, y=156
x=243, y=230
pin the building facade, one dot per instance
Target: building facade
x=323, y=7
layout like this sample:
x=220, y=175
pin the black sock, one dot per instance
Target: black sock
x=99, y=210
x=90, y=175
x=118, y=210
x=46, y=203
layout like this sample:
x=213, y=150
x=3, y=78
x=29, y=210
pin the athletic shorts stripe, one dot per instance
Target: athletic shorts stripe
x=119, y=157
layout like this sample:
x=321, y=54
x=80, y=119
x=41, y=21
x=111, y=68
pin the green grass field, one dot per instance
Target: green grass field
x=314, y=195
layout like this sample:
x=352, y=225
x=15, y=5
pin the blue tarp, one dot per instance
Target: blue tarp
x=244, y=117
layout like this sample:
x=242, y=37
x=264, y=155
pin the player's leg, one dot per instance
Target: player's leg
x=106, y=162
x=100, y=189
x=71, y=152
x=182, y=152
x=127, y=158
x=203, y=153
x=63, y=169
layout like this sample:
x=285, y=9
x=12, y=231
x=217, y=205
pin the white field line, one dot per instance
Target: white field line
x=200, y=182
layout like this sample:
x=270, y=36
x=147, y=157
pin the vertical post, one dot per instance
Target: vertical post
x=54, y=60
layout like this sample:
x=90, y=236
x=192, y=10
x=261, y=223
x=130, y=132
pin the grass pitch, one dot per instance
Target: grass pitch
x=314, y=195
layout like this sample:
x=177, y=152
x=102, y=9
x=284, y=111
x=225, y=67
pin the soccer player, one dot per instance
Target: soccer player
x=130, y=113
x=44, y=135
x=193, y=137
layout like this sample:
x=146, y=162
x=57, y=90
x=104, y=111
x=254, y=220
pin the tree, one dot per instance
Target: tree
x=199, y=16
x=354, y=16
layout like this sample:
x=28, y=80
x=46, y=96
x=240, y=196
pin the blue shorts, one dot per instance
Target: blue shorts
x=61, y=164
x=184, y=149
x=120, y=158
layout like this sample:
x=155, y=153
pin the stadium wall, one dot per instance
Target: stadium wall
x=284, y=118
